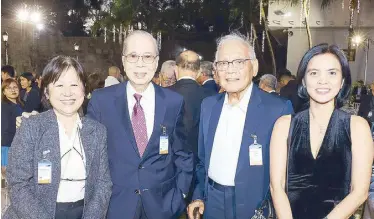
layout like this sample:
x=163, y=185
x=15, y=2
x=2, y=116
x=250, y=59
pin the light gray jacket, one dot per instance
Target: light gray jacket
x=30, y=200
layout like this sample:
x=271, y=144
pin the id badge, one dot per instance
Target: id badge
x=255, y=155
x=44, y=172
x=164, y=144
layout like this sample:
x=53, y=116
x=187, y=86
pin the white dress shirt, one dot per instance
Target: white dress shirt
x=72, y=165
x=147, y=102
x=210, y=79
x=228, y=139
x=110, y=80
x=186, y=77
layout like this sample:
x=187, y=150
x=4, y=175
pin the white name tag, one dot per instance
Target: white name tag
x=164, y=144
x=255, y=155
x=44, y=172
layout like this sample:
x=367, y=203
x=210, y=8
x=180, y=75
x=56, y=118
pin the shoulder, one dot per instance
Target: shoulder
x=110, y=91
x=358, y=123
x=169, y=93
x=283, y=122
x=94, y=124
x=271, y=99
x=211, y=100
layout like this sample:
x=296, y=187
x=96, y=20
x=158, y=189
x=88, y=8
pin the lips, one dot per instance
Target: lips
x=68, y=102
x=140, y=74
x=232, y=79
x=323, y=90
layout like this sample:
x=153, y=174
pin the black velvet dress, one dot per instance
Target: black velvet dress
x=316, y=186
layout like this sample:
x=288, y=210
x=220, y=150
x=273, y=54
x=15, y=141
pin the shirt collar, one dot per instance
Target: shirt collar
x=210, y=79
x=78, y=124
x=243, y=103
x=147, y=94
x=187, y=77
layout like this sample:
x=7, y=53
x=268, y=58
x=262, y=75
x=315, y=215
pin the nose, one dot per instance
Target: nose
x=322, y=79
x=140, y=62
x=67, y=92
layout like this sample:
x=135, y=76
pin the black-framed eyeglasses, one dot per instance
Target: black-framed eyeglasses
x=146, y=58
x=237, y=64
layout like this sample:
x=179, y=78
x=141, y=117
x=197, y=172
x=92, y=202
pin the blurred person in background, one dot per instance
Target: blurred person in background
x=114, y=75
x=7, y=71
x=167, y=74
x=30, y=95
x=11, y=107
x=268, y=83
x=94, y=81
x=206, y=77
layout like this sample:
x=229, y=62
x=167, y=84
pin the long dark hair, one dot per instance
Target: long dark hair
x=325, y=48
x=6, y=83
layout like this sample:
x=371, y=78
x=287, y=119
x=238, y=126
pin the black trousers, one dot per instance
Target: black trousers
x=140, y=213
x=69, y=210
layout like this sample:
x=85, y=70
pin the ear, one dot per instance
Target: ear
x=254, y=67
x=46, y=92
x=176, y=71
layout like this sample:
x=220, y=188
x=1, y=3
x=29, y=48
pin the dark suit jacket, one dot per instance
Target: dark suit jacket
x=211, y=85
x=193, y=95
x=159, y=180
x=366, y=107
x=9, y=113
x=251, y=182
x=32, y=101
x=290, y=92
x=38, y=201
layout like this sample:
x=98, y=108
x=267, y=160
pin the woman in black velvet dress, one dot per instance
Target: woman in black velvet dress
x=326, y=172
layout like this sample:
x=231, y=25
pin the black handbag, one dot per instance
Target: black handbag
x=267, y=203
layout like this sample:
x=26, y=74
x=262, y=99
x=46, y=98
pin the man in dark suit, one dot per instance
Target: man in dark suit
x=290, y=92
x=150, y=164
x=268, y=83
x=233, y=170
x=206, y=77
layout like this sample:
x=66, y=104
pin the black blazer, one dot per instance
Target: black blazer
x=33, y=100
x=9, y=112
x=366, y=107
x=211, y=85
x=193, y=95
x=290, y=92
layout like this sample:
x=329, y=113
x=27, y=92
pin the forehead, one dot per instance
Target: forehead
x=70, y=74
x=140, y=44
x=232, y=49
x=324, y=61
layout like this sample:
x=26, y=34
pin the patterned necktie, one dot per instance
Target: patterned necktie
x=138, y=125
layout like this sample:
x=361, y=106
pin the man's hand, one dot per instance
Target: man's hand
x=25, y=115
x=195, y=204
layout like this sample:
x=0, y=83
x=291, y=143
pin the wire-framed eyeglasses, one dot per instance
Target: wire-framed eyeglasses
x=236, y=63
x=146, y=58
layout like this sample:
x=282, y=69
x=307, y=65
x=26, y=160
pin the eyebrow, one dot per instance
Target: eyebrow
x=331, y=69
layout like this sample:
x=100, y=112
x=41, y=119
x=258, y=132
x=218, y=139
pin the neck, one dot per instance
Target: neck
x=321, y=112
x=68, y=121
x=12, y=100
x=28, y=89
x=139, y=88
x=187, y=74
x=235, y=97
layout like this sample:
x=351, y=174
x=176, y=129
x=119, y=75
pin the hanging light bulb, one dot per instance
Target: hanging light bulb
x=251, y=34
x=343, y=4
x=120, y=34
x=263, y=41
x=114, y=33
x=159, y=40
x=242, y=20
x=260, y=11
x=358, y=6
x=104, y=34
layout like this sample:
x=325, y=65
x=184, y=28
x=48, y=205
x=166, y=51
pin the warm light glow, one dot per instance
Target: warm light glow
x=5, y=36
x=200, y=57
x=288, y=14
x=36, y=17
x=23, y=14
x=40, y=26
x=76, y=47
x=357, y=39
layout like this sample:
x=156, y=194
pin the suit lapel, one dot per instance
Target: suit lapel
x=250, y=127
x=213, y=123
x=160, y=109
x=124, y=115
x=88, y=142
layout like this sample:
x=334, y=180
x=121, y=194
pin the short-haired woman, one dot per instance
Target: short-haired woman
x=325, y=172
x=11, y=107
x=58, y=163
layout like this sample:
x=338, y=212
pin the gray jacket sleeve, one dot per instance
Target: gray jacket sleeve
x=20, y=174
x=98, y=205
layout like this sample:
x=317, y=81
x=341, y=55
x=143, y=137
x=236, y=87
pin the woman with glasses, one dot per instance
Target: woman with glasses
x=320, y=158
x=58, y=164
x=11, y=107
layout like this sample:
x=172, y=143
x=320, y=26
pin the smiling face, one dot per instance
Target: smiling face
x=66, y=95
x=11, y=91
x=235, y=79
x=140, y=73
x=323, y=78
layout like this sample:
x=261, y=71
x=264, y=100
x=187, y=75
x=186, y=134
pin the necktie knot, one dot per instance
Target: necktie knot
x=137, y=98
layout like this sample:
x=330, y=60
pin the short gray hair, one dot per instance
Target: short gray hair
x=269, y=81
x=139, y=32
x=167, y=66
x=239, y=37
x=207, y=68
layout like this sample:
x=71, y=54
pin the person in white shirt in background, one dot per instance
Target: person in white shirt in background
x=113, y=76
x=268, y=83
